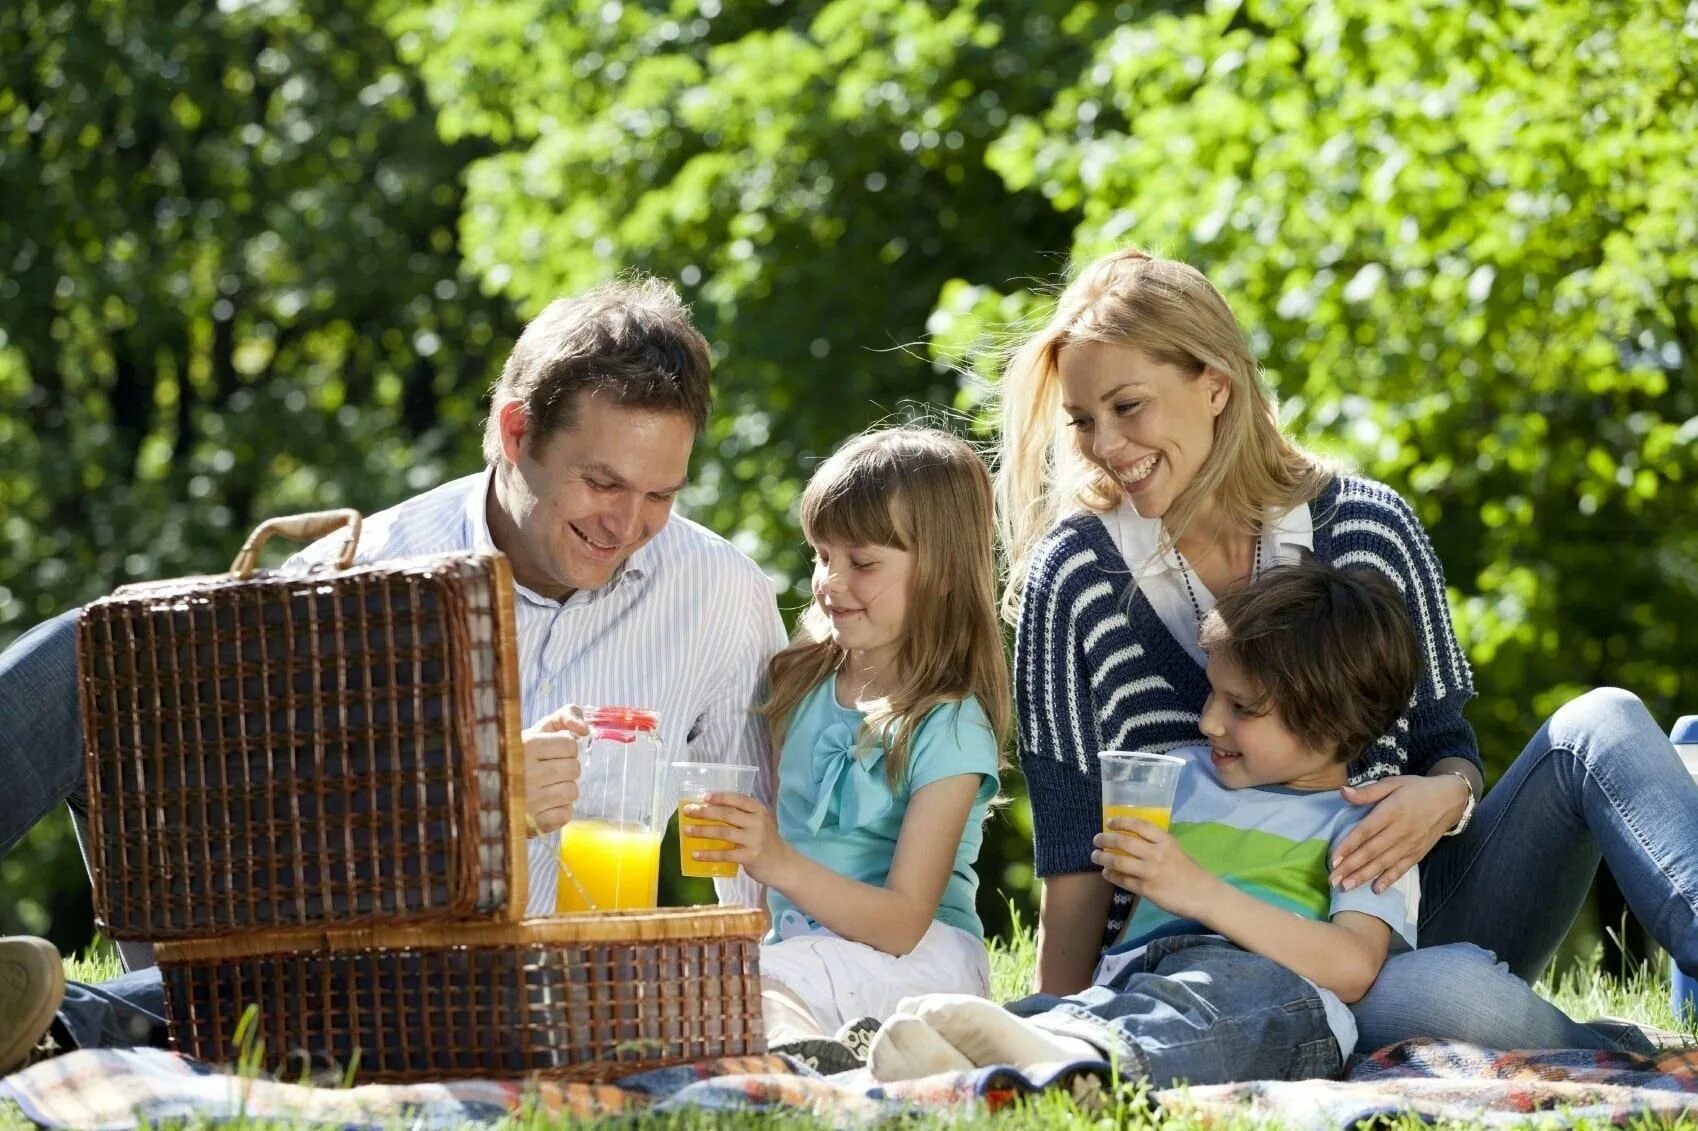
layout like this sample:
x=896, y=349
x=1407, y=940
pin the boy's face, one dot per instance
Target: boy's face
x=1248, y=749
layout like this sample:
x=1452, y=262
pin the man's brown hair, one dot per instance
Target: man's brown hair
x=1331, y=650
x=630, y=339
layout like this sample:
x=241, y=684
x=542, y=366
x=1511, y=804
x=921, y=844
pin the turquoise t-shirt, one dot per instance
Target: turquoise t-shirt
x=835, y=807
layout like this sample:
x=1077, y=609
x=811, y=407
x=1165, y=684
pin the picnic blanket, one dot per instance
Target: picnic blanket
x=119, y=1090
x=1455, y=1082
x=123, y=1089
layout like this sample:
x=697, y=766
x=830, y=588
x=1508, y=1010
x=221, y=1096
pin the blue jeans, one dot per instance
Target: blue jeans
x=127, y=1012
x=41, y=741
x=1199, y=1010
x=1600, y=781
x=41, y=732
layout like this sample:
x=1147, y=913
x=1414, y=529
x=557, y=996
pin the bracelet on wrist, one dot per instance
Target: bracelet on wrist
x=1467, y=808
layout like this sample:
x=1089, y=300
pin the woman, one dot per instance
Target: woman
x=1143, y=471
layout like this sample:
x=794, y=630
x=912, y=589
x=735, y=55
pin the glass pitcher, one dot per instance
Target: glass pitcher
x=610, y=849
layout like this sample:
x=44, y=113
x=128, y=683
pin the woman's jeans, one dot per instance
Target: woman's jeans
x=1599, y=780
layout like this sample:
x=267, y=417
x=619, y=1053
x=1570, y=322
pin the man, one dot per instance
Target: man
x=587, y=443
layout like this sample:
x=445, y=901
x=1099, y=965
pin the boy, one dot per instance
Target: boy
x=1240, y=956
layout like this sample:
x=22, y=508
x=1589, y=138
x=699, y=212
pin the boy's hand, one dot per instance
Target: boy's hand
x=750, y=828
x=552, y=769
x=1146, y=860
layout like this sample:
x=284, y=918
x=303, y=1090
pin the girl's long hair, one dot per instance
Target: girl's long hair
x=1169, y=311
x=928, y=493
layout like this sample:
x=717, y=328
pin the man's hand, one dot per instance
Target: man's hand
x=1410, y=814
x=749, y=827
x=1145, y=860
x=551, y=769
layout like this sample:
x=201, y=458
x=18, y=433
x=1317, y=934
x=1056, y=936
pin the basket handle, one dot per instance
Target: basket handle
x=302, y=528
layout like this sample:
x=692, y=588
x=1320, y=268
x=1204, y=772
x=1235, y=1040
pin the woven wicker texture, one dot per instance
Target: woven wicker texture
x=290, y=750
x=590, y=997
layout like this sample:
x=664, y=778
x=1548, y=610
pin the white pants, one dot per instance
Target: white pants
x=841, y=981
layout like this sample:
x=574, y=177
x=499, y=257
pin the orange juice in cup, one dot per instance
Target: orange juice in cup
x=692, y=781
x=1139, y=784
x=1156, y=815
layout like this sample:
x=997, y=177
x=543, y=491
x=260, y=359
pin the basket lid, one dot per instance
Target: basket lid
x=666, y=924
x=1685, y=731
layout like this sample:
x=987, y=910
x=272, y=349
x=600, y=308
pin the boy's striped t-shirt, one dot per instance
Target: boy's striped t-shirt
x=1271, y=842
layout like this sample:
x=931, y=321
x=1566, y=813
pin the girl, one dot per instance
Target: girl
x=889, y=710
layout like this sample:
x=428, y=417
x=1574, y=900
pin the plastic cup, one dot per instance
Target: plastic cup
x=1139, y=784
x=693, y=781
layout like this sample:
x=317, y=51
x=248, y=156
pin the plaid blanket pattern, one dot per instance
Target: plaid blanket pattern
x=1454, y=1082
x=118, y=1090
x=123, y=1089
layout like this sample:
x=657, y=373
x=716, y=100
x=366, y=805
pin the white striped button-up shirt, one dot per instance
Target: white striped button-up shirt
x=684, y=628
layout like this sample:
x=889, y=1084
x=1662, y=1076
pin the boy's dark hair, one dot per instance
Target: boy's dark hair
x=1332, y=650
x=630, y=339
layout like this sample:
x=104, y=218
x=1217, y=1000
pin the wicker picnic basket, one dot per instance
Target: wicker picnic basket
x=271, y=750
x=580, y=997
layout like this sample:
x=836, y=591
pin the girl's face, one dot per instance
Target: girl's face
x=1148, y=424
x=1249, y=748
x=864, y=591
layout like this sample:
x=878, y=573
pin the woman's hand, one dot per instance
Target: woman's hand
x=1410, y=814
x=1146, y=861
x=749, y=827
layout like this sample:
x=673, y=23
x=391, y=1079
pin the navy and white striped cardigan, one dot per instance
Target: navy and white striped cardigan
x=1096, y=669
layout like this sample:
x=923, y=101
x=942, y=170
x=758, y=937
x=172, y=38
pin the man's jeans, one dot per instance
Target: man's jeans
x=41, y=734
x=127, y=1012
x=41, y=741
x=1599, y=781
x=1199, y=1010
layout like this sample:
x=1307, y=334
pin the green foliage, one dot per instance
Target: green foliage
x=811, y=173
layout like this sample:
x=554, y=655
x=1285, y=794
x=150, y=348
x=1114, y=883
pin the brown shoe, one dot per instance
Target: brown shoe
x=32, y=983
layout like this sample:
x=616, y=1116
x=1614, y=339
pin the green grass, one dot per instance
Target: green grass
x=1588, y=992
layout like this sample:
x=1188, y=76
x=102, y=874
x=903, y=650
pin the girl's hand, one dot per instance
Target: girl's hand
x=1410, y=814
x=1146, y=861
x=751, y=829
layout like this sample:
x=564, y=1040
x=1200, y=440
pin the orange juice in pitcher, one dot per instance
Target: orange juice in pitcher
x=608, y=867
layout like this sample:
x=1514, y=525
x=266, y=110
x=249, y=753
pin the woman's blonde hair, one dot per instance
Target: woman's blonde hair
x=1173, y=315
x=926, y=492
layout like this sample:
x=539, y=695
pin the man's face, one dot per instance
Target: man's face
x=586, y=498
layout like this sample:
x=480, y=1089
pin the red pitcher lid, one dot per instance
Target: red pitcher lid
x=622, y=718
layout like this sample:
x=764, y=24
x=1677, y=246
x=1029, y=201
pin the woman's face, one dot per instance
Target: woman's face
x=1148, y=424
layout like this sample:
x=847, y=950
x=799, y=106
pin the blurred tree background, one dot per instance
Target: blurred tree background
x=265, y=255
